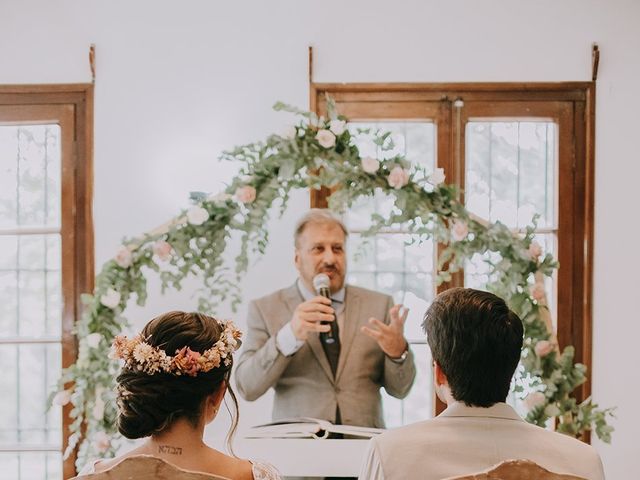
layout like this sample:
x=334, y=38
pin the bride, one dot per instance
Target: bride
x=175, y=375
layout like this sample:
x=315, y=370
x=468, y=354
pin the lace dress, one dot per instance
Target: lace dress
x=260, y=470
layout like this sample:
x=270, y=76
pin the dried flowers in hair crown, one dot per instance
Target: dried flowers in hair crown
x=139, y=355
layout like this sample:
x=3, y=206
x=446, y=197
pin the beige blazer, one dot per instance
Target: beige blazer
x=464, y=440
x=303, y=383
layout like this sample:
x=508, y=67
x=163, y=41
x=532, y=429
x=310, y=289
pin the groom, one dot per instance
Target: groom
x=283, y=350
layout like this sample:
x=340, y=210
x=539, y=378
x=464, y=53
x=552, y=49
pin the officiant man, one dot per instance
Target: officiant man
x=340, y=381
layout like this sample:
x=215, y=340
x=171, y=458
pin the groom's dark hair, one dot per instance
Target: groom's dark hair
x=476, y=340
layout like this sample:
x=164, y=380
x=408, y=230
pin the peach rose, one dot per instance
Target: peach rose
x=544, y=348
x=246, y=194
x=459, y=230
x=370, y=164
x=533, y=400
x=537, y=291
x=535, y=250
x=326, y=138
x=162, y=250
x=398, y=177
x=123, y=258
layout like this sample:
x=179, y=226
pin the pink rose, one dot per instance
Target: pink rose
x=62, y=398
x=162, y=250
x=101, y=442
x=533, y=400
x=459, y=230
x=246, y=194
x=370, y=165
x=123, y=258
x=326, y=138
x=398, y=177
x=537, y=291
x=535, y=250
x=544, y=348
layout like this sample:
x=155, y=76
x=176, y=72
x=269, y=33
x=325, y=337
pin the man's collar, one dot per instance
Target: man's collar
x=497, y=410
x=308, y=294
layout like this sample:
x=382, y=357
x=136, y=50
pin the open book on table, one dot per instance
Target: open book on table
x=306, y=427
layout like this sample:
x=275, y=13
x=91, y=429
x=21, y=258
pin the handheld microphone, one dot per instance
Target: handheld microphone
x=321, y=284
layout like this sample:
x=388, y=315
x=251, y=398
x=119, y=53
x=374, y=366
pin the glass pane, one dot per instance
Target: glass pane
x=31, y=465
x=418, y=405
x=30, y=180
x=28, y=375
x=8, y=303
x=511, y=171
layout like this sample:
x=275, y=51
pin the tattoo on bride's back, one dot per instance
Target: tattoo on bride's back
x=169, y=449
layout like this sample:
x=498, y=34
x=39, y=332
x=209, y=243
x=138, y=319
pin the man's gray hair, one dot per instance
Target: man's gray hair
x=317, y=216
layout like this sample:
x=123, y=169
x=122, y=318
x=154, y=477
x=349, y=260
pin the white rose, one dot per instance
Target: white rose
x=111, y=299
x=437, y=177
x=197, y=215
x=289, y=132
x=326, y=139
x=398, y=177
x=370, y=165
x=123, y=258
x=533, y=400
x=337, y=126
x=93, y=339
x=62, y=398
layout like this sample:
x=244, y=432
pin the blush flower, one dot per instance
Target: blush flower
x=162, y=250
x=459, y=230
x=62, y=398
x=533, y=400
x=535, y=250
x=197, y=215
x=124, y=258
x=101, y=442
x=370, y=164
x=143, y=352
x=537, y=291
x=186, y=361
x=544, y=348
x=398, y=177
x=337, y=126
x=326, y=138
x=437, y=177
x=111, y=299
x=246, y=194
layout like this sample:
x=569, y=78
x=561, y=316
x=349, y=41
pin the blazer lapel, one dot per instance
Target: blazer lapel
x=350, y=327
x=293, y=299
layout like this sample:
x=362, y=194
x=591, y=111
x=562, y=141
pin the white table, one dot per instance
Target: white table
x=306, y=457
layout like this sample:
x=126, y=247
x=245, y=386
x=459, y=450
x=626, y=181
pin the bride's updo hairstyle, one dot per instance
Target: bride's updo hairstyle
x=177, y=361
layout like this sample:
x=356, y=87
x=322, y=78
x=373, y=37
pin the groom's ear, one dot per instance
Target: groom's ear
x=438, y=374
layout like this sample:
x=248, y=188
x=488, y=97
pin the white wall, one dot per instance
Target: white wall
x=178, y=82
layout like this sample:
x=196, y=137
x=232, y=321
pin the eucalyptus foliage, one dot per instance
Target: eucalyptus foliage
x=270, y=170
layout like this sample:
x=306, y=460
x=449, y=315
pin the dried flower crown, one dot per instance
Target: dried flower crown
x=139, y=355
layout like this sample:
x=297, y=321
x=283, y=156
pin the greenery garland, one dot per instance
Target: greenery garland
x=196, y=240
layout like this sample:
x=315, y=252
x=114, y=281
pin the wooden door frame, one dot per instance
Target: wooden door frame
x=75, y=102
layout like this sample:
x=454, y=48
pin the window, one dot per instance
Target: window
x=515, y=150
x=46, y=261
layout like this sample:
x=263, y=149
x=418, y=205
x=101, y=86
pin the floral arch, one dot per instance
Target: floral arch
x=316, y=153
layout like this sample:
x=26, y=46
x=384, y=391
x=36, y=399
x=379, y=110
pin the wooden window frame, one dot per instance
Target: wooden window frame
x=366, y=101
x=74, y=102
